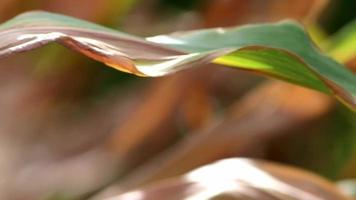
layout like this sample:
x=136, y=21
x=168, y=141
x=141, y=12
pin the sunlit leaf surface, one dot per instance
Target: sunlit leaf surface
x=240, y=179
x=348, y=186
x=282, y=50
x=343, y=44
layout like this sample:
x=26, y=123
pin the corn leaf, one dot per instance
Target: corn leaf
x=238, y=178
x=282, y=50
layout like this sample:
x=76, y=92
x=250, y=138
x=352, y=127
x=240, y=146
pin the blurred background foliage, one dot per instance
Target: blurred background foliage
x=73, y=129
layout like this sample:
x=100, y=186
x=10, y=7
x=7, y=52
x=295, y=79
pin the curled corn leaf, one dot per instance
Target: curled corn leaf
x=281, y=50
